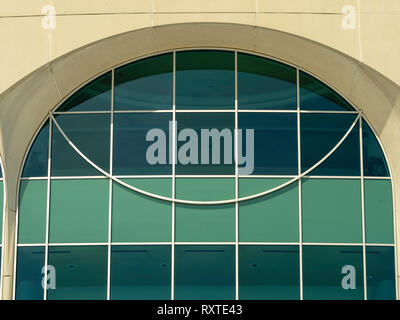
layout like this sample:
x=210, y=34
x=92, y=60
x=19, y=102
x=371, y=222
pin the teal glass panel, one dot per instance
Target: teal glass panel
x=145, y=84
x=81, y=272
x=374, y=159
x=1, y=207
x=205, y=143
x=333, y=273
x=331, y=210
x=32, y=211
x=378, y=211
x=204, y=272
x=139, y=218
x=275, y=143
x=314, y=95
x=37, y=160
x=137, y=151
x=28, y=283
x=205, y=189
x=270, y=218
x=320, y=133
x=90, y=133
x=140, y=273
x=95, y=96
x=381, y=276
x=265, y=84
x=269, y=273
x=205, y=79
x=79, y=211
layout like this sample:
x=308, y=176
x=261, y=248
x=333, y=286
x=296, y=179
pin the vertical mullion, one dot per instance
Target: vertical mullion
x=173, y=177
x=110, y=194
x=236, y=187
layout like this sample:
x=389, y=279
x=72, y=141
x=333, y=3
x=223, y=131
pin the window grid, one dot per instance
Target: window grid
x=237, y=243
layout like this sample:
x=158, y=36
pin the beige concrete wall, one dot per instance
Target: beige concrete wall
x=40, y=67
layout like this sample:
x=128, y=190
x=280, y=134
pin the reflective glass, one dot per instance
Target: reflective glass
x=141, y=144
x=145, y=84
x=269, y=272
x=333, y=272
x=265, y=84
x=205, y=189
x=205, y=79
x=204, y=272
x=81, y=272
x=95, y=96
x=1, y=208
x=28, y=284
x=331, y=210
x=141, y=272
x=275, y=143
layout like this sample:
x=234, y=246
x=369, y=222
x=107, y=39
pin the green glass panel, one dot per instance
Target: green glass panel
x=141, y=272
x=333, y=273
x=378, y=211
x=205, y=189
x=79, y=210
x=81, y=272
x=270, y=218
x=32, y=211
x=331, y=210
x=28, y=285
x=139, y=218
x=204, y=272
x=1, y=207
x=269, y=272
x=381, y=277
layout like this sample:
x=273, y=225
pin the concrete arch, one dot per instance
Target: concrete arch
x=24, y=106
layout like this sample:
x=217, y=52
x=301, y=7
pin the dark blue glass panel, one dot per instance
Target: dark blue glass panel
x=374, y=160
x=131, y=148
x=96, y=95
x=145, y=84
x=275, y=142
x=320, y=132
x=30, y=261
x=269, y=272
x=205, y=79
x=141, y=272
x=81, y=272
x=36, y=162
x=200, y=143
x=381, y=278
x=204, y=272
x=265, y=84
x=333, y=273
x=90, y=133
x=314, y=95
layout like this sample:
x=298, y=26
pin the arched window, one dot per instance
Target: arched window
x=205, y=174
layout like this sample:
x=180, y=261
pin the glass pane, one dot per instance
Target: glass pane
x=28, y=285
x=331, y=210
x=320, y=133
x=381, y=278
x=205, y=143
x=269, y=272
x=374, y=159
x=141, y=272
x=265, y=84
x=204, y=272
x=141, y=144
x=314, y=95
x=333, y=273
x=95, y=96
x=90, y=133
x=271, y=132
x=378, y=211
x=32, y=211
x=145, y=84
x=36, y=162
x=270, y=218
x=139, y=218
x=205, y=189
x=205, y=80
x=79, y=211
x=81, y=272
x=1, y=208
